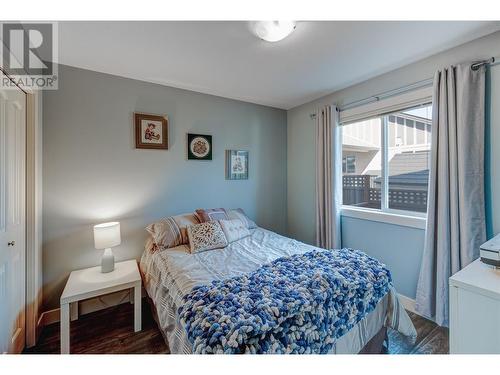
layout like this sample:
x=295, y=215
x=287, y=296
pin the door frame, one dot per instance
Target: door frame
x=33, y=214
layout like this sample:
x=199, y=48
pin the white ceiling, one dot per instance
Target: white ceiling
x=225, y=59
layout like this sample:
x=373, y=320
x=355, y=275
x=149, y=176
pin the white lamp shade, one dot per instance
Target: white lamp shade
x=107, y=235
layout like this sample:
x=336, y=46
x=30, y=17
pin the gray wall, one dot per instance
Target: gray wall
x=387, y=242
x=93, y=173
x=397, y=246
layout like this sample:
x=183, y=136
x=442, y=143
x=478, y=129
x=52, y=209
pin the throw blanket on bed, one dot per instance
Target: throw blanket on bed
x=296, y=304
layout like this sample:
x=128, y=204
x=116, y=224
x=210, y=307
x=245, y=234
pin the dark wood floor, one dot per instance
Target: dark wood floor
x=111, y=331
x=431, y=338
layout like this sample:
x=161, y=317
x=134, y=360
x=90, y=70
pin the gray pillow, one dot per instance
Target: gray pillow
x=238, y=213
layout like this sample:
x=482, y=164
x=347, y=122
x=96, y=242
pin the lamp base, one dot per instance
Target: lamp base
x=107, y=261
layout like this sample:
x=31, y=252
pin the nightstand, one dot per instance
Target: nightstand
x=90, y=283
x=474, y=310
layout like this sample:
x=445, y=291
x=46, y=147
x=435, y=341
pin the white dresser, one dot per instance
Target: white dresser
x=475, y=310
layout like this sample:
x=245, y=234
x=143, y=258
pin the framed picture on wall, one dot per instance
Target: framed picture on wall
x=236, y=165
x=199, y=147
x=151, y=131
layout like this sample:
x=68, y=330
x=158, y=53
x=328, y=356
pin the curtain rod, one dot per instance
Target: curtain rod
x=478, y=64
x=400, y=90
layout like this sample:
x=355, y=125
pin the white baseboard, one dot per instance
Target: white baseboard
x=408, y=303
x=49, y=317
x=88, y=306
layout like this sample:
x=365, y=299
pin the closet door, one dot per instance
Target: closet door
x=12, y=219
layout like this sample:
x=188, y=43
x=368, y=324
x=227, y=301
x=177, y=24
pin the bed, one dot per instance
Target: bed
x=171, y=274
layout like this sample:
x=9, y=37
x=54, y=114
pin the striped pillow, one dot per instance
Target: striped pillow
x=171, y=231
x=238, y=213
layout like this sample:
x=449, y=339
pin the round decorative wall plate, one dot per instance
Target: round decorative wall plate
x=199, y=147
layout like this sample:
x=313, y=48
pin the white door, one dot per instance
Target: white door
x=12, y=219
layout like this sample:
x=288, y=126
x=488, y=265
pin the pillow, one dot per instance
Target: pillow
x=234, y=229
x=150, y=245
x=211, y=214
x=172, y=231
x=206, y=236
x=238, y=213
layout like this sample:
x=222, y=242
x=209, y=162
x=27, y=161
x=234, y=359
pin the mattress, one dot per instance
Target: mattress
x=169, y=274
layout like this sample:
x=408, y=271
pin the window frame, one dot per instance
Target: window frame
x=383, y=109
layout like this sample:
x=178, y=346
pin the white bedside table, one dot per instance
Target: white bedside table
x=474, y=310
x=90, y=283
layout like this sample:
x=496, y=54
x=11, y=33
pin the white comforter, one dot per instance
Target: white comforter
x=169, y=274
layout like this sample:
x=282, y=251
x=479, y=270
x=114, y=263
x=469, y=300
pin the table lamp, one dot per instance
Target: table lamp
x=106, y=236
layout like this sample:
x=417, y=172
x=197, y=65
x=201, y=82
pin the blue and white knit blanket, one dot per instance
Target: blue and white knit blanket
x=297, y=304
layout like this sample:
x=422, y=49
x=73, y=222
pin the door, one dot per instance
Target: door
x=12, y=219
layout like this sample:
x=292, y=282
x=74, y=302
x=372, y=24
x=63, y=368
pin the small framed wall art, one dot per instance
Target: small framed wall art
x=236, y=165
x=199, y=147
x=151, y=131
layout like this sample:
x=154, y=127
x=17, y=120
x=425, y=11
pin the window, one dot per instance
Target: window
x=408, y=162
x=385, y=161
x=362, y=141
x=349, y=164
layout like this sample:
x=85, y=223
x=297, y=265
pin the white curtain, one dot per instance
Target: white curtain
x=456, y=209
x=328, y=178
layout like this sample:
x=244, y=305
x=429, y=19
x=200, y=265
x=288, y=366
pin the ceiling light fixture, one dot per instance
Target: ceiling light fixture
x=272, y=31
